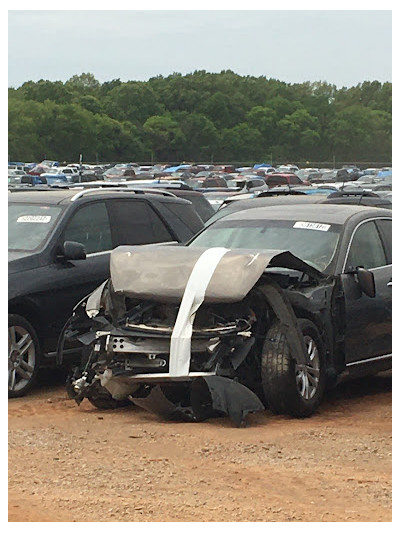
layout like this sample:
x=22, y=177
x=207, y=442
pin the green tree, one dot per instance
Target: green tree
x=46, y=90
x=241, y=143
x=163, y=137
x=201, y=136
x=83, y=82
x=133, y=101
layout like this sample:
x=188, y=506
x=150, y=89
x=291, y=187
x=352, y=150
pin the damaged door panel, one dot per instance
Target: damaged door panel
x=214, y=362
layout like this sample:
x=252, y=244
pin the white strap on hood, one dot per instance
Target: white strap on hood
x=193, y=297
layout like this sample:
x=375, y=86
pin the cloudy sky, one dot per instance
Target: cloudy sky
x=341, y=47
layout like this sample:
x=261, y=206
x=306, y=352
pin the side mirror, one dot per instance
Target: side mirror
x=73, y=250
x=367, y=281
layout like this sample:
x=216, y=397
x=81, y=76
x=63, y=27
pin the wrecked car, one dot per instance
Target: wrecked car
x=264, y=308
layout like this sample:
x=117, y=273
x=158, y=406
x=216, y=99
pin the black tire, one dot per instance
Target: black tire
x=287, y=388
x=102, y=399
x=24, y=356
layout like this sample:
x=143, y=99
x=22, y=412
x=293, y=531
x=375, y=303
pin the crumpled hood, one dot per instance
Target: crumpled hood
x=161, y=273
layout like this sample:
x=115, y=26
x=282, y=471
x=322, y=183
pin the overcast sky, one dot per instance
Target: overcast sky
x=340, y=47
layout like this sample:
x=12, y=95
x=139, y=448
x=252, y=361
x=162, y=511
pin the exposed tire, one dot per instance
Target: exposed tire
x=24, y=356
x=102, y=399
x=288, y=388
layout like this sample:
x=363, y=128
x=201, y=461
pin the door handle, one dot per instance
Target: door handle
x=389, y=283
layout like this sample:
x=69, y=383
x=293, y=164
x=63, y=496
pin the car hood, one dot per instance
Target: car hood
x=162, y=274
x=21, y=261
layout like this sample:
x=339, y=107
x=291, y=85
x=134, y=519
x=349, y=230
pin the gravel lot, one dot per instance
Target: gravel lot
x=70, y=463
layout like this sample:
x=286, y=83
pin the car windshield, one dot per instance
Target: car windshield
x=315, y=243
x=29, y=225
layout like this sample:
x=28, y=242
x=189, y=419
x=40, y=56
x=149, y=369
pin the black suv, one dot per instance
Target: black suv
x=59, y=246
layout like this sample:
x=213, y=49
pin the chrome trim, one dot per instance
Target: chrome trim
x=95, y=254
x=352, y=236
x=380, y=357
x=380, y=268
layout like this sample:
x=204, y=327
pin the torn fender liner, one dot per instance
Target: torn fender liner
x=216, y=393
x=159, y=273
x=285, y=314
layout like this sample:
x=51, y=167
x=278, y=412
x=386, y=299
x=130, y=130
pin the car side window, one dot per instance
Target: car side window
x=366, y=248
x=90, y=226
x=385, y=229
x=136, y=222
x=295, y=180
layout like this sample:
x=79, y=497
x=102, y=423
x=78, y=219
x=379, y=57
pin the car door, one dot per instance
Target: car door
x=368, y=320
x=73, y=280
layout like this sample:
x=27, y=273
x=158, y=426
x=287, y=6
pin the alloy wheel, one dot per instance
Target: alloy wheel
x=21, y=358
x=307, y=376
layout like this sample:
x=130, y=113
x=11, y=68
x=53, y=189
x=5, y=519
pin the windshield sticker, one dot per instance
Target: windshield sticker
x=312, y=225
x=37, y=219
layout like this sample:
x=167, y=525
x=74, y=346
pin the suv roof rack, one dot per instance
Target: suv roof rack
x=83, y=192
x=163, y=184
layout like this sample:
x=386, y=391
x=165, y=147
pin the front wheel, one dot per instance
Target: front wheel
x=23, y=356
x=290, y=388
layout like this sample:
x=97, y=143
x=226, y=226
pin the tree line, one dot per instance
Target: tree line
x=200, y=116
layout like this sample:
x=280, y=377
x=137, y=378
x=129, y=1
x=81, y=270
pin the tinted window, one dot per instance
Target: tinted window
x=91, y=227
x=366, y=248
x=201, y=205
x=295, y=180
x=186, y=221
x=385, y=229
x=276, y=180
x=136, y=222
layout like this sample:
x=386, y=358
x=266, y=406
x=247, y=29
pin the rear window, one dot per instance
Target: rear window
x=276, y=180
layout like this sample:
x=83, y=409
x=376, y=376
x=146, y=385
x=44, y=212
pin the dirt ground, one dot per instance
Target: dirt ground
x=70, y=463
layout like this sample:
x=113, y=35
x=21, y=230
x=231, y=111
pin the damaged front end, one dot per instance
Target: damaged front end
x=181, y=336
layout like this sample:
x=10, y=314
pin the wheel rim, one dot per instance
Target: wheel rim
x=21, y=358
x=307, y=376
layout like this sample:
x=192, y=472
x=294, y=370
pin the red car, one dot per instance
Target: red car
x=279, y=179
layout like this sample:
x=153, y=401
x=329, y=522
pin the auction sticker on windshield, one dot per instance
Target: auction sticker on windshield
x=312, y=225
x=38, y=219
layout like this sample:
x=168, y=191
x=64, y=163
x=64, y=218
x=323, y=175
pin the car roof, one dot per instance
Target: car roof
x=282, y=174
x=329, y=213
x=63, y=196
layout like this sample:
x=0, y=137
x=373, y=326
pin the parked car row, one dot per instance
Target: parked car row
x=149, y=297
